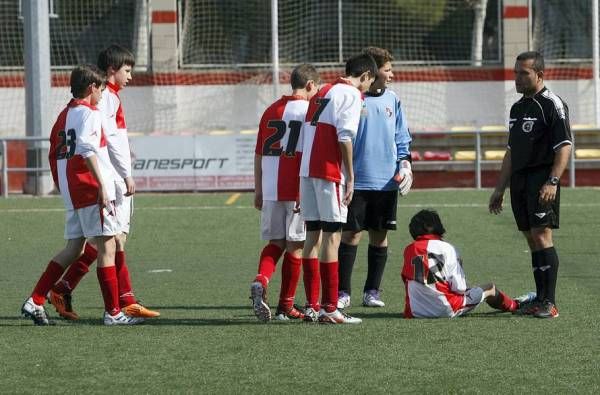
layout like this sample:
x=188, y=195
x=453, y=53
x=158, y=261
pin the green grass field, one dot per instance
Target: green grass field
x=208, y=340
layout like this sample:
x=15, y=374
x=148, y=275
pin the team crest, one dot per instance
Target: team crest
x=389, y=112
x=527, y=126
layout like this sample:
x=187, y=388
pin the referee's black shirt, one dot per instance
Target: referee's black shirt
x=538, y=126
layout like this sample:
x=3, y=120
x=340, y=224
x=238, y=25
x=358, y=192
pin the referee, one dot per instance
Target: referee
x=539, y=146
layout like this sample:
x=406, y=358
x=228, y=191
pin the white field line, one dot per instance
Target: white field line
x=184, y=208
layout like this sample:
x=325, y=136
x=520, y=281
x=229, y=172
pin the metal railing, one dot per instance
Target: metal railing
x=476, y=164
x=6, y=169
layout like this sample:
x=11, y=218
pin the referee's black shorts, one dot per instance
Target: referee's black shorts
x=529, y=213
x=374, y=210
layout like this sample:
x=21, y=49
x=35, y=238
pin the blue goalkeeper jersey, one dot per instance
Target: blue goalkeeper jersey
x=382, y=138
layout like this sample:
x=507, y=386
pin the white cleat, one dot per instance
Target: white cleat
x=262, y=311
x=37, y=313
x=337, y=317
x=121, y=319
x=372, y=298
x=343, y=300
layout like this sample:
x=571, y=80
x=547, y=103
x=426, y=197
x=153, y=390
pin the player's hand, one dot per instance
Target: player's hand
x=496, y=200
x=258, y=200
x=130, y=185
x=102, y=196
x=404, y=177
x=297, y=206
x=349, y=192
x=547, y=194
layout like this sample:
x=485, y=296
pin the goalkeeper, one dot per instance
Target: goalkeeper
x=382, y=168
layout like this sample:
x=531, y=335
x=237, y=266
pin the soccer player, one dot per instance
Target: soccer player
x=380, y=156
x=434, y=279
x=276, y=180
x=81, y=169
x=327, y=183
x=117, y=62
x=539, y=147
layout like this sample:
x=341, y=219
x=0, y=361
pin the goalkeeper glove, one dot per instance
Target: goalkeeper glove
x=404, y=177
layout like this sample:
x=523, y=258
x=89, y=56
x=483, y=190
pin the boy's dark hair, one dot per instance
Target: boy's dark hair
x=538, y=59
x=360, y=63
x=115, y=56
x=380, y=56
x=426, y=222
x=83, y=76
x=302, y=74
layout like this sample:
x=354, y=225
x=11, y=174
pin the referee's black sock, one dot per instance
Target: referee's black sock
x=377, y=259
x=537, y=261
x=551, y=272
x=346, y=257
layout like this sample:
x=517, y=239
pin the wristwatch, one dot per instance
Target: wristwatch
x=553, y=180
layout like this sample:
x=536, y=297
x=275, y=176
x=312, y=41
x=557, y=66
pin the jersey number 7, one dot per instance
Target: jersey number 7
x=272, y=146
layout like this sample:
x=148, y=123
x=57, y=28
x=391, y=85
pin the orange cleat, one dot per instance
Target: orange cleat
x=63, y=306
x=139, y=311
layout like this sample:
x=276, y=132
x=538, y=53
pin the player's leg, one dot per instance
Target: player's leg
x=310, y=252
x=381, y=219
x=376, y=261
x=497, y=299
x=292, y=263
x=127, y=300
x=60, y=294
x=351, y=235
x=34, y=305
x=333, y=213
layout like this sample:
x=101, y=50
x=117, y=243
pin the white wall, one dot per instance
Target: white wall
x=191, y=109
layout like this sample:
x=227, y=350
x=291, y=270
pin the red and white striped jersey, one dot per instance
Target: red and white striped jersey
x=434, y=279
x=332, y=117
x=277, y=141
x=116, y=131
x=77, y=134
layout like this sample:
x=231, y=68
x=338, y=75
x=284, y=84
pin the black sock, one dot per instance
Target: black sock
x=537, y=261
x=377, y=259
x=346, y=258
x=551, y=273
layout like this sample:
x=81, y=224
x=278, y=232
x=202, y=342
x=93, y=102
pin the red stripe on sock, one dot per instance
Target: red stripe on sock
x=290, y=274
x=329, y=284
x=267, y=263
x=107, y=277
x=310, y=267
x=47, y=280
x=126, y=296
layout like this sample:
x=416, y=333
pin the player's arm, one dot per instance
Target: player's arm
x=562, y=144
x=258, y=193
x=120, y=157
x=455, y=273
x=87, y=145
x=497, y=198
x=561, y=159
x=404, y=174
x=92, y=164
x=346, y=149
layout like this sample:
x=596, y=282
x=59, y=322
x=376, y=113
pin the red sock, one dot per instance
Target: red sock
x=508, y=303
x=310, y=267
x=266, y=266
x=126, y=296
x=48, y=278
x=329, y=284
x=107, y=277
x=76, y=271
x=290, y=274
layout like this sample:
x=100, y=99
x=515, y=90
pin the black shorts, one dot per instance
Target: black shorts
x=375, y=210
x=325, y=226
x=529, y=213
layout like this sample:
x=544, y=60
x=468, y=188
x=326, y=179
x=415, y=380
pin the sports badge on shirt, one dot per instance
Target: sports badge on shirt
x=527, y=126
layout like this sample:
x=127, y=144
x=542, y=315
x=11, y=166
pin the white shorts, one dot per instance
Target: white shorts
x=123, y=207
x=279, y=221
x=321, y=200
x=90, y=221
x=473, y=298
